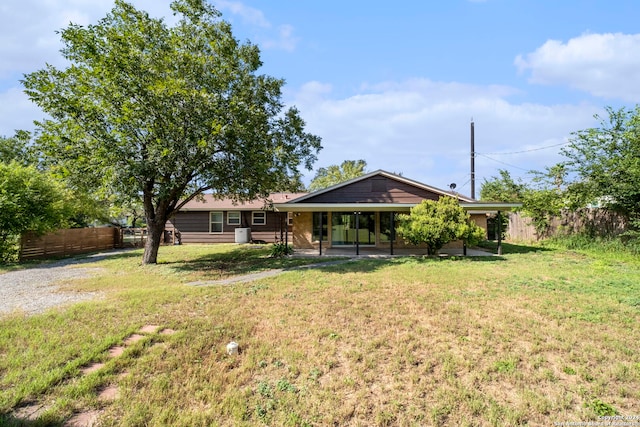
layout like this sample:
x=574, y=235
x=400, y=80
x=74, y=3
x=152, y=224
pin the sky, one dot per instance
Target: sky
x=398, y=84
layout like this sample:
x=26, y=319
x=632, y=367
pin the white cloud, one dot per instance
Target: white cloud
x=28, y=36
x=281, y=37
x=422, y=129
x=604, y=65
x=249, y=14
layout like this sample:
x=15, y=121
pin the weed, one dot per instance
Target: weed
x=601, y=408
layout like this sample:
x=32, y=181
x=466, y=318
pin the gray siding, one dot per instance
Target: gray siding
x=194, y=227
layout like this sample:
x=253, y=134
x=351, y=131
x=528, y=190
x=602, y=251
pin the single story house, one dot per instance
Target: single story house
x=213, y=220
x=356, y=213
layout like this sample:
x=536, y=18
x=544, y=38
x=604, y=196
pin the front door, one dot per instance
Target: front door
x=343, y=228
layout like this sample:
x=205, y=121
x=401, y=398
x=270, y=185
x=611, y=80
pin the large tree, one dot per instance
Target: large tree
x=335, y=174
x=605, y=163
x=168, y=112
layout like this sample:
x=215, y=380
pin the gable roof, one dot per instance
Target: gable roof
x=385, y=174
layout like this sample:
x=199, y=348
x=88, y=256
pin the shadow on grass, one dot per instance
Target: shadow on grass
x=9, y=420
x=239, y=261
x=511, y=248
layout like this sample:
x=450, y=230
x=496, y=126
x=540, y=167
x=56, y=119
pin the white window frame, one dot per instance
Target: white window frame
x=211, y=222
x=237, y=221
x=262, y=214
x=289, y=218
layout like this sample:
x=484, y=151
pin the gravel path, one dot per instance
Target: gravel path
x=34, y=290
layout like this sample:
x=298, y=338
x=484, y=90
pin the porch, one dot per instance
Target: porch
x=372, y=252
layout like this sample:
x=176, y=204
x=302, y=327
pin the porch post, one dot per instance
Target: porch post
x=393, y=230
x=320, y=234
x=286, y=231
x=499, y=233
x=357, y=233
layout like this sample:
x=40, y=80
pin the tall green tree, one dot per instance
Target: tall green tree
x=436, y=223
x=17, y=148
x=335, y=174
x=542, y=199
x=168, y=112
x=30, y=200
x=605, y=163
x=502, y=188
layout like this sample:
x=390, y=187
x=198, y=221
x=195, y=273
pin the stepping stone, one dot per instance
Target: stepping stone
x=149, y=329
x=167, y=331
x=116, y=351
x=108, y=393
x=83, y=419
x=133, y=339
x=91, y=368
x=30, y=412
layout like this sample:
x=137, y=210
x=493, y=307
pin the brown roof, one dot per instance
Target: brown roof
x=208, y=202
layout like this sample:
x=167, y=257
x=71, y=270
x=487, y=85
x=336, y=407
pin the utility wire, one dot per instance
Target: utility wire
x=504, y=163
x=525, y=151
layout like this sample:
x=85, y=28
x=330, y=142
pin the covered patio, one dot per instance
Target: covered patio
x=372, y=252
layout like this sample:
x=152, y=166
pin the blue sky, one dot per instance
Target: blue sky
x=397, y=83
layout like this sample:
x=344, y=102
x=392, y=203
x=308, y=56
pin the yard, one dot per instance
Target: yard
x=537, y=336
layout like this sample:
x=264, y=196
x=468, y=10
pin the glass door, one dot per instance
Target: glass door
x=343, y=228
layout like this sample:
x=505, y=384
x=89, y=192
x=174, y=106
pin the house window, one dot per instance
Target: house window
x=385, y=226
x=320, y=227
x=233, y=218
x=290, y=218
x=259, y=218
x=215, y=222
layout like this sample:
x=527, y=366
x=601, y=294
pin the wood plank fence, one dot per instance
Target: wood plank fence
x=69, y=242
x=591, y=221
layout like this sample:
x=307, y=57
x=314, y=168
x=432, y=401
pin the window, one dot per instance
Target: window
x=233, y=218
x=215, y=222
x=320, y=226
x=290, y=218
x=385, y=226
x=259, y=218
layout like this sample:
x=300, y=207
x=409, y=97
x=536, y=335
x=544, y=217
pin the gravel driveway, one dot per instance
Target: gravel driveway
x=34, y=290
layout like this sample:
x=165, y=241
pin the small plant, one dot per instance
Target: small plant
x=279, y=250
x=569, y=370
x=601, y=408
x=284, y=385
x=505, y=366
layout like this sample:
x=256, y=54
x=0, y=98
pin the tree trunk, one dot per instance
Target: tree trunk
x=155, y=233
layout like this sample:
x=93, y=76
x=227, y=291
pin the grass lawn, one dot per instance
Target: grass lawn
x=537, y=336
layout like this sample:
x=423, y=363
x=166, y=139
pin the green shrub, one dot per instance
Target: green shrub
x=279, y=250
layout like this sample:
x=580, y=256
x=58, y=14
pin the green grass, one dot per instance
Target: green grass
x=537, y=336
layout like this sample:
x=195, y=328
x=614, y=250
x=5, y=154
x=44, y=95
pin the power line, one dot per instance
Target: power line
x=504, y=163
x=525, y=151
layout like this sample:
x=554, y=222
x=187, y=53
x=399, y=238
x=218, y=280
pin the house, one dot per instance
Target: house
x=213, y=220
x=361, y=212
x=356, y=213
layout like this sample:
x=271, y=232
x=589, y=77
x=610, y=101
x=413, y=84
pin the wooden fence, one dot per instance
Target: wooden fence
x=69, y=242
x=594, y=222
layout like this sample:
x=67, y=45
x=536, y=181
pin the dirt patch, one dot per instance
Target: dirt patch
x=167, y=331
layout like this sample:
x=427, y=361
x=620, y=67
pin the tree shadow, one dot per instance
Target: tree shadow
x=239, y=261
x=512, y=248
